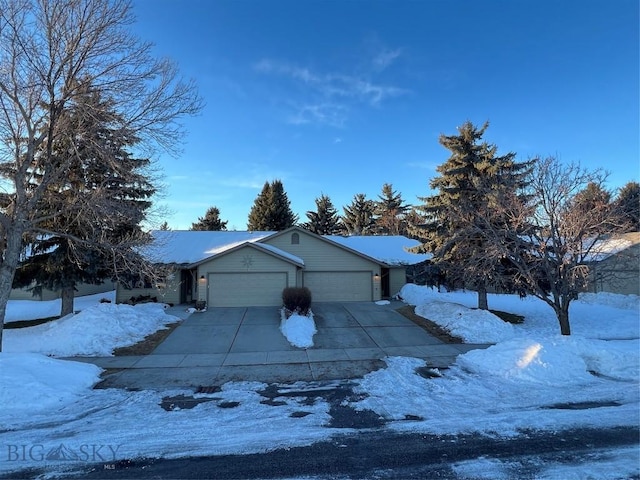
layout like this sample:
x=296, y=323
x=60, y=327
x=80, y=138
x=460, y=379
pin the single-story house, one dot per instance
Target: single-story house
x=45, y=294
x=228, y=269
x=614, y=265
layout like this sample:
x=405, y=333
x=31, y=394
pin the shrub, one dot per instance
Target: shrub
x=296, y=300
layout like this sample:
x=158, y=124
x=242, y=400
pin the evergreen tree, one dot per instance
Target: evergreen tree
x=469, y=183
x=390, y=212
x=628, y=203
x=325, y=220
x=211, y=221
x=165, y=226
x=99, y=165
x=271, y=210
x=358, y=217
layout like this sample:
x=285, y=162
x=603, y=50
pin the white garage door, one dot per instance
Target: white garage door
x=246, y=289
x=339, y=286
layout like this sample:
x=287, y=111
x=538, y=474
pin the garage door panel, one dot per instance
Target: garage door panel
x=246, y=289
x=339, y=286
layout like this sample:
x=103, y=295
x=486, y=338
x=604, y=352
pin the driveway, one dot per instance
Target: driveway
x=245, y=344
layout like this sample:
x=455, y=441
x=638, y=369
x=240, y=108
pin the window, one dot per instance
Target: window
x=295, y=239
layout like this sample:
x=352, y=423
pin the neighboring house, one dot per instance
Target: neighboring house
x=615, y=266
x=228, y=269
x=46, y=294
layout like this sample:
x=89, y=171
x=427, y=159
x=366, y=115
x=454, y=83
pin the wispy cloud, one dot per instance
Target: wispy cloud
x=332, y=114
x=330, y=95
x=385, y=58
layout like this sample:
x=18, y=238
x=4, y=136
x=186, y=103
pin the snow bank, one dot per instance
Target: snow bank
x=473, y=326
x=96, y=331
x=298, y=329
x=552, y=362
x=32, y=382
x=631, y=302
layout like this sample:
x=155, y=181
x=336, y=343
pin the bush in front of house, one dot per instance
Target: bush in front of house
x=296, y=300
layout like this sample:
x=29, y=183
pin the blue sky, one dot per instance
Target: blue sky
x=340, y=97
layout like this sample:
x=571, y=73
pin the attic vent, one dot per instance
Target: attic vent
x=295, y=239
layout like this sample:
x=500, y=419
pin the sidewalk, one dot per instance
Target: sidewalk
x=245, y=344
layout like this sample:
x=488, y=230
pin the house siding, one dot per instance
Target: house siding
x=397, y=279
x=320, y=255
x=246, y=260
x=81, y=290
x=170, y=294
x=620, y=273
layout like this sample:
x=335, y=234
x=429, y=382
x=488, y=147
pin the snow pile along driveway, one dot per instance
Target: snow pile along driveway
x=473, y=326
x=298, y=329
x=95, y=331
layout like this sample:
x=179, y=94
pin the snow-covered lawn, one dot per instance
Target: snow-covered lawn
x=528, y=380
x=96, y=331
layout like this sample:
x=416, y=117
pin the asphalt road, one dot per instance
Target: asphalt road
x=379, y=454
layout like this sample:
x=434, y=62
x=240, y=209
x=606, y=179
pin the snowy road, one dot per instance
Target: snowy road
x=576, y=453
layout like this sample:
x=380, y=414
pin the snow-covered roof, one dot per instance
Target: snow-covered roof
x=389, y=249
x=188, y=246
x=602, y=249
x=280, y=252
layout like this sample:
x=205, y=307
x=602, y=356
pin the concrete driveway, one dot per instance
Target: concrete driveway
x=237, y=344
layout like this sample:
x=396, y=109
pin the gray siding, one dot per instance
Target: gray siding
x=170, y=294
x=397, y=279
x=319, y=255
x=247, y=260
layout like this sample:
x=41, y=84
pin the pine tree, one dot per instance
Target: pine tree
x=211, y=221
x=390, y=212
x=628, y=204
x=165, y=226
x=358, y=216
x=469, y=183
x=271, y=210
x=99, y=165
x=325, y=220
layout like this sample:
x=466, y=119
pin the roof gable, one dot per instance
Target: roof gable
x=267, y=249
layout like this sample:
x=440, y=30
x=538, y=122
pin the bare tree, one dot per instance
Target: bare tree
x=50, y=50
x=550, y=240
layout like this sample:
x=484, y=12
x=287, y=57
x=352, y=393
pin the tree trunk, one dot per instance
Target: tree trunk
x=67, y=295
x=8, y=267
x=563, y=318
x=483, y=303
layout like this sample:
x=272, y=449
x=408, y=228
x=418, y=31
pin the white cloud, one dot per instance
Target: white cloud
x=385, y=58
x=331, y=114
x=331, y=94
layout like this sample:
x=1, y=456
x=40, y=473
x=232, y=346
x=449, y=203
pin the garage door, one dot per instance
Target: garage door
x=246, y=289
x=339, y=286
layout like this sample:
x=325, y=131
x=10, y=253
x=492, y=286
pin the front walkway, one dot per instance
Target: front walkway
x=245, y=344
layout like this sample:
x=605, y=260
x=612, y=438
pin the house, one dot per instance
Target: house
x=615, y=265
x=45, y=294
x=228, y=269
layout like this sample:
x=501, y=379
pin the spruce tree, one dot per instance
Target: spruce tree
x=271, y=210
x=211, y=221
x=628, y=204
x=99, y=165
x=469, y=184
x=390, y=212
x=358, y=216
x=325, y=220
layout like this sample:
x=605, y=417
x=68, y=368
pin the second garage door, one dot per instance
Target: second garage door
x=246, y=289
x=339, y=286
